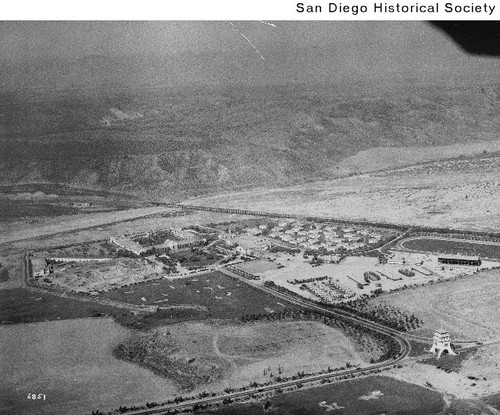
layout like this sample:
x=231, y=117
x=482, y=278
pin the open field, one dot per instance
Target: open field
x=466, y=307
x=463, y=395
x=33, y=202
x=214, y=356
x=210, y=295
x=442, y=246
x=52, y=190
x=470, y=376
x=372, y=395
x=263, y=351
x=483, y=367
x=449, y=194
x=13, y=210
x=49, y=226
x=71, y=362
x=385, y=158
x=24, y=306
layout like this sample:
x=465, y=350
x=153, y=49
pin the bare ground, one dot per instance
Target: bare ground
x=484, y=381
x=466, y=307
x=213, y=356
x=71, y=362
x=460, y=194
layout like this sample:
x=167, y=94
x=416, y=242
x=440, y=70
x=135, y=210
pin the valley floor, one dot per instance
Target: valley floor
x=459, y=194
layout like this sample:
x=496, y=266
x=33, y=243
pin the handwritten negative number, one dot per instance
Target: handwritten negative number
x=40, y=396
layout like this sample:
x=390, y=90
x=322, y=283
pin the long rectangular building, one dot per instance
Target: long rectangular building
x=460, y=260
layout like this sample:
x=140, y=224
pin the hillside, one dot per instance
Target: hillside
x=172, y=143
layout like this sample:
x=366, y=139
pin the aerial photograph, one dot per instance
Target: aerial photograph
x=249, y=217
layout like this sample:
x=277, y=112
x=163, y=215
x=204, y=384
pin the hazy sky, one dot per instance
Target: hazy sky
x=77, y=39
x=292, y=50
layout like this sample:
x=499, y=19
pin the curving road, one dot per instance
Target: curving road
x=396, y=335
x=404, y=351
x=401, y=244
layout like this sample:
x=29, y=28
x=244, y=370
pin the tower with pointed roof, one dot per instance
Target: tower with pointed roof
x=441, y=343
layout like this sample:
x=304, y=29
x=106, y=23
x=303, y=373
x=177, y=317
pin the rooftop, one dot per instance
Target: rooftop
x=462, y=257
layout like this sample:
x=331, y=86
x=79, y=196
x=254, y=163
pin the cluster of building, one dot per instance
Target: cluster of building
x=187, y=239
x=314, y=236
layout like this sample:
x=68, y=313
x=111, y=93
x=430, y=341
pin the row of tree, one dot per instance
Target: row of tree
x=382, y=313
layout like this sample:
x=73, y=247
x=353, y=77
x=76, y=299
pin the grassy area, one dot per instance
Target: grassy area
x=452, y=247
x=19, y=305
x=493, y=400
x=197, y=355
x=372, y=395
x=216, y=295
x=419, y=349
x=473, y=407
x=71, y=362
x=12, y=210
x=449, y=363
x=4, y=274
x=176, y=353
